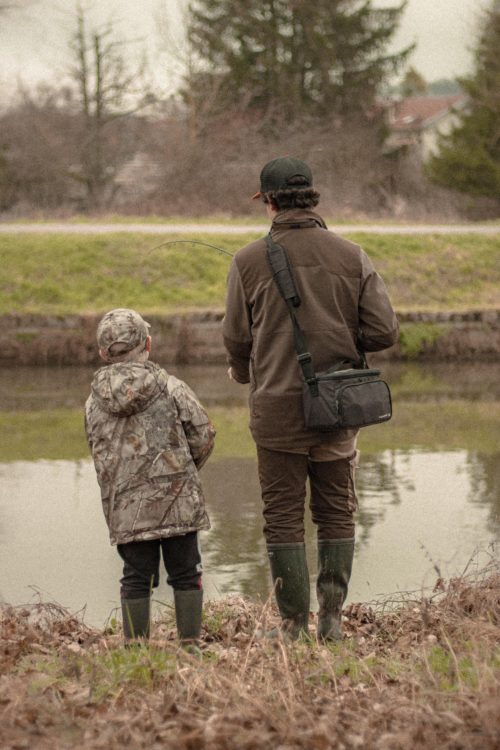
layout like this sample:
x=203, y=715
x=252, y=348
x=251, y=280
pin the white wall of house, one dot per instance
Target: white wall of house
x=429, y=135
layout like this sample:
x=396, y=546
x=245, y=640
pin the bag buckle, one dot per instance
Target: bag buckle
x=312, y=384
x=304, y=358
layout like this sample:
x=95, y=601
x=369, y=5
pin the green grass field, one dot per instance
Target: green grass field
x=60, y=274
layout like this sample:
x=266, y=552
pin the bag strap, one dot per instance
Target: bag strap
x=282, y=272
x=283, y=277
x=281, y=269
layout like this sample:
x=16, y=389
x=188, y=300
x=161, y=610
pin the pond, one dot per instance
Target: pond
x=428, y=487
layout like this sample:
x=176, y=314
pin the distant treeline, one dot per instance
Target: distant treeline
x=261, y=78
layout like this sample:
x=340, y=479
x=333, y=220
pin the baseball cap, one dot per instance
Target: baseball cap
x=276, y=175
x=120, y=331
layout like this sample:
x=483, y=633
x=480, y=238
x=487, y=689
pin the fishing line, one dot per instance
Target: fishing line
x=190, y=242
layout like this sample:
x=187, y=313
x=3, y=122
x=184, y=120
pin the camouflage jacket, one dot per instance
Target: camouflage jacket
x=148, y=435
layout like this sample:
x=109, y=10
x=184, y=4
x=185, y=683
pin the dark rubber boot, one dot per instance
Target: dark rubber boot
x=334, y=571
x=291, y=585
x=188, y=608
x=136, y=618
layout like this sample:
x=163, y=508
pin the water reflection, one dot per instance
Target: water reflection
x=381, y=481
x=34, y=388
x=484, y=471
x=54, y=536
x=424, y=507
x=426, y=517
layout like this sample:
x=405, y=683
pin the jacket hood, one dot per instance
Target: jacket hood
x=126, y=388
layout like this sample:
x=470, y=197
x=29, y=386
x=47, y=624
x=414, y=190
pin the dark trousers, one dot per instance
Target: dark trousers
x=141, y=565
x=333, y=501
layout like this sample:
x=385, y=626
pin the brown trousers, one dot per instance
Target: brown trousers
x=333, y=501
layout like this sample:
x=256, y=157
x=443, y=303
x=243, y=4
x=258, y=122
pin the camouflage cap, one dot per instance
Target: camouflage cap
x=120, y=331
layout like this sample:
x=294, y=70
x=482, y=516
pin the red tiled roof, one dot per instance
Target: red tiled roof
x=416, y=112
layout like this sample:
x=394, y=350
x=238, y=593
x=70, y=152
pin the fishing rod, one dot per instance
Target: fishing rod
x=191, y=242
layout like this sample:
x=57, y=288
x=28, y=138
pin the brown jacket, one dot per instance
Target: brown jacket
x=342, y=296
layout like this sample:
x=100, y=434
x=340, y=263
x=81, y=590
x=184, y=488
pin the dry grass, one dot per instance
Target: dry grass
x=424, y=674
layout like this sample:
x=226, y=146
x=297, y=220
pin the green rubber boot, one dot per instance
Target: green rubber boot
x=334, y=571
x=136, y=618
x=291, y=585
x=188, y=607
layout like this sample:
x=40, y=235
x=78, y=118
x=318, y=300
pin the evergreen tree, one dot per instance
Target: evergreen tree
x=290, y=58
x=413, y=84
x=469, y=158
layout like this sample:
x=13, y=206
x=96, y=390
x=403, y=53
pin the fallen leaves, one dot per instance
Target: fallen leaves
x=425, y=674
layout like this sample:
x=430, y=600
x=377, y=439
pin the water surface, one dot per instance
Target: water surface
x=428, y=486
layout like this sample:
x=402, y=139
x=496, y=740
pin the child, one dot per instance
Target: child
x=149, y=436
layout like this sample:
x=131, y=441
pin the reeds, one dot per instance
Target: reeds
x=422, y=673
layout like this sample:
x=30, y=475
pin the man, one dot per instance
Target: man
x=344, y=304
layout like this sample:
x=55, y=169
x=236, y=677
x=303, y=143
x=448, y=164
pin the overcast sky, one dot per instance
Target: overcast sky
x=33, y=40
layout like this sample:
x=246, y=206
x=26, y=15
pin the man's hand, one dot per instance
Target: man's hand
x=235, y=375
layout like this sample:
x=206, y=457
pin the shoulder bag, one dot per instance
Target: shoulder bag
x=348, y=394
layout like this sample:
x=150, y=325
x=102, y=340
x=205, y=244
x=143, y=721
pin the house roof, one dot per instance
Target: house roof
x=418, y=112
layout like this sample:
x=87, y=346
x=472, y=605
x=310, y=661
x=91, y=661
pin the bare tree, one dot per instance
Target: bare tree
x=109, y=91
x=37, y=142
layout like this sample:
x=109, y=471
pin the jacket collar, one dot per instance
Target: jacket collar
x=297, y=218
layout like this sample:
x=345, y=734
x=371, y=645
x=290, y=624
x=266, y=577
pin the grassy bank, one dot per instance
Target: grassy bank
x=61, y=274
x=424, y=675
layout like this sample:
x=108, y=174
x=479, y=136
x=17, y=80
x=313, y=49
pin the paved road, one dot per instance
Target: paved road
x=53, y=228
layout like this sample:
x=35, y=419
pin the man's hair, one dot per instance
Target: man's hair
x=295, y=197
